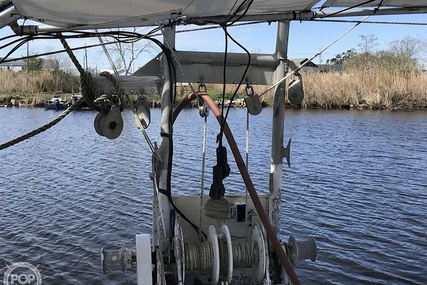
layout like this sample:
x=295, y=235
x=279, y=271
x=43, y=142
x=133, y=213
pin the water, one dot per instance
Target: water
x=358, y=184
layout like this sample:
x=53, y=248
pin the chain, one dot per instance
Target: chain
x=202, y=186
x=175, y=58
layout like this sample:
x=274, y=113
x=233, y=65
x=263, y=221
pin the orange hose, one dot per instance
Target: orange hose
x=247, y=180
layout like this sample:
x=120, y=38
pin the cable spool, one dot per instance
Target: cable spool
x=221, y=256
x=179, y=252
x=258, y=253
x=215, y=254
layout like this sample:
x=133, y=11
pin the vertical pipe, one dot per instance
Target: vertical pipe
x=166, y=132
x=275, y=181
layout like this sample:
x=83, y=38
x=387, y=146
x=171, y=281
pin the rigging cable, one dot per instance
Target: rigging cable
x=5, y=59
x=313, y=57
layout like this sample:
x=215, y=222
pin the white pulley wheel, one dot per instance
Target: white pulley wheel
x=226, y=232
x=213, y=239
x=258, y=250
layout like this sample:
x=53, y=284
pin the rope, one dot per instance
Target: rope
x=89, y=90
x=202, y=186
x=117, y=87
x=88, y=96
x=43, y=128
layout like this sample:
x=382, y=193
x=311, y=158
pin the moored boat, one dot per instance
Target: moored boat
x=56, y=103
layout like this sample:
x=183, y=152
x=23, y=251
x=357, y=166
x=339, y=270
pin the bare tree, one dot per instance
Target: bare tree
x=126, y=53
x=407, y=51
x=367, y=43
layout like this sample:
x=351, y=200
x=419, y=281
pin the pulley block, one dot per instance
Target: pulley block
x=253, y=104
x=142, y=108
x=296, y=90
x=109, y=124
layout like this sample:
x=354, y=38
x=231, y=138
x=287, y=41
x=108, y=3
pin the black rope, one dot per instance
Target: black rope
x=89, y=90
x=119, y=90
x=45, y=127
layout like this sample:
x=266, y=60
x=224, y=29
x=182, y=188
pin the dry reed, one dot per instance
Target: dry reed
x=370, y=88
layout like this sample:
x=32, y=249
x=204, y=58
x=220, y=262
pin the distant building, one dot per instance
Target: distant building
x=331, y=68
x=50, y=64
x=15, y=65
x=308, y=67
x=19, y=64
x=111, y=71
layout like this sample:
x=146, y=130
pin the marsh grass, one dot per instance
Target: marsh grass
x=373, y=88
x=370, y=88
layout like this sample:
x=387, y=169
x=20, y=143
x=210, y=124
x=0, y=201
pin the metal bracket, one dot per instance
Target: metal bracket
x=286, y=152
x=203, y=107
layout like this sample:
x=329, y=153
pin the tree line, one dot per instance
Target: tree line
x=404, y=55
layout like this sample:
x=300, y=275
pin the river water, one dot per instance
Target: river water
x=357, y=184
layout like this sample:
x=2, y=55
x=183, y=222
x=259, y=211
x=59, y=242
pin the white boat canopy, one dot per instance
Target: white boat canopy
x=376, y=3
x=85, y=14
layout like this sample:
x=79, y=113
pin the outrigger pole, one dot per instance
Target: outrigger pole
x=277, y=149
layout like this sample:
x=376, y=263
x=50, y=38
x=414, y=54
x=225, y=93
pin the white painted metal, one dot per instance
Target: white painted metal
x=165, y=146
x=277, y=130
x=383, y=3
x=115, y=13
x=258, y=249
x=143, y=264
x=226, y=232
x=213, y=239
x=7, y=16
x=179, y=252
x=237, y=229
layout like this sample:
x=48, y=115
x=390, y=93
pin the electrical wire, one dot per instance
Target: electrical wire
x=349, y=8
x=220, y=136
x=244, y=6
x=168, y=191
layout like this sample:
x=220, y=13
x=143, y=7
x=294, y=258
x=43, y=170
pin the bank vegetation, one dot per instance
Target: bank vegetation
x=391, y=79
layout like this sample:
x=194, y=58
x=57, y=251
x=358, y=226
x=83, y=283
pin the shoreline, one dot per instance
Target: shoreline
x=38, y=101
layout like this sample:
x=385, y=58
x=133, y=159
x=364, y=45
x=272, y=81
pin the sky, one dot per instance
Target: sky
x=305, y=39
